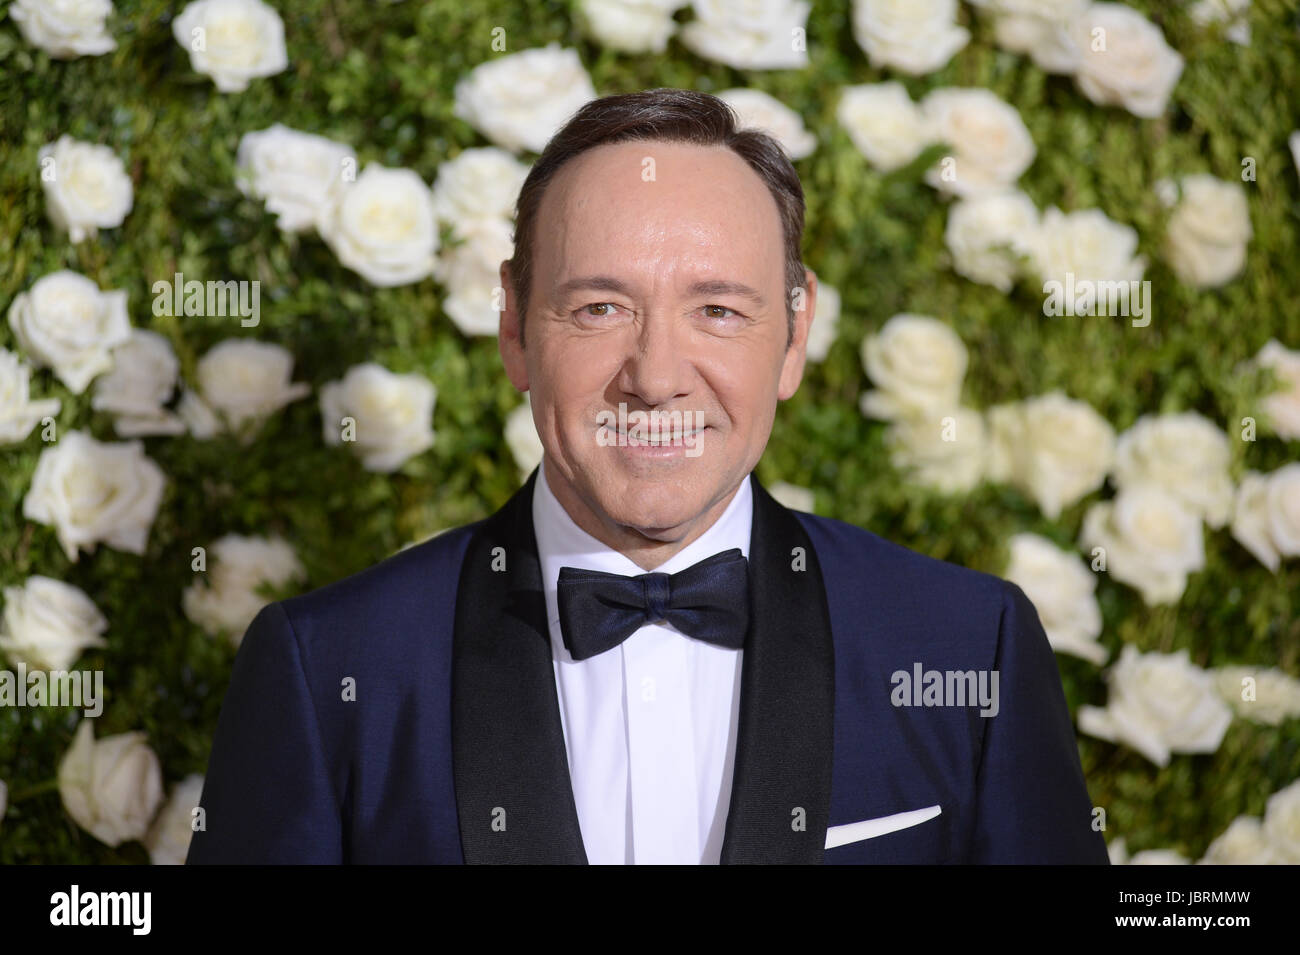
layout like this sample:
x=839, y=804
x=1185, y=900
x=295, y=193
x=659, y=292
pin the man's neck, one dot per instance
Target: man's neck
x=646, y=552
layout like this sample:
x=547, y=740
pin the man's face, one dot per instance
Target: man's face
x=628, y=237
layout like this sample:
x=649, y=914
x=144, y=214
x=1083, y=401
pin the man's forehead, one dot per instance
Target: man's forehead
x=705, y=218
x=639, y=155
x=681, y=182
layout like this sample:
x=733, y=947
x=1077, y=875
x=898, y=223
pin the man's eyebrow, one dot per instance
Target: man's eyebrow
x=726, y=287
x=606, y=283
x=601, y=283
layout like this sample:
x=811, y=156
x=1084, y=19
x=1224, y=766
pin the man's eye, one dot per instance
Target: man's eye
x=608, y=306
x=709, y=314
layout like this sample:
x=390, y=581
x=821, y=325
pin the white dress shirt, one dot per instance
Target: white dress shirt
x=650, y=725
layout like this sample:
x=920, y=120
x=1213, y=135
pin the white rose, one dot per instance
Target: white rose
x=826, y=319
x=917, y=364
x=1057, y=450
x=111, y=787
x=631, y=26
x=228, y=597
x=86, y=187
x=470, y=271
x=1242, y=843
x=522, y=438
x=1158, y=857
x=200, y=420
x=232, y=41
x=990, y=235
x=18, y=413
x=749, y=34
x=1266, y=515
x=144, y=374
x=521, y=100
x=1046, y=41
x=912, y=36
x=382, y=226
x=1263, y=694
x=883, y=123
x=1052, y=9
x=48, y=624
x=66, y=323
x=947, y=454
x=1208, y=231
x=792, y=496
x=1282, y=822
x=478, y=184
x=1183, y=454
x=1038, y=28
x=145, y=370
x=294, y=172
x=1150, y=540
x=1293, y=141
x=1124, y=59
x=65, y=28
x=759, y=110
x=990, y=142
x=392, y=414
x=1118, y=851
x=1166, y=190
x=1087, y=243
x=1159, y=704
x=92, y=491
x=1282, y=406
x=1060, y=587
x=168, y=839
x=1232, y=12
x=246, y=381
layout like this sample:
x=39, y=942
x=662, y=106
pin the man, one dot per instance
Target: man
x=643, y=657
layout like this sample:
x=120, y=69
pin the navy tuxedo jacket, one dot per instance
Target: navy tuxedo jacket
x=408, y=713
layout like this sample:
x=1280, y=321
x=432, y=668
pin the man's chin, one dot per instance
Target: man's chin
x=656, y=532
x=658, y=514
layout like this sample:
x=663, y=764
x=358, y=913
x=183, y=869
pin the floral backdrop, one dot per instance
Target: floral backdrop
x=249, y=288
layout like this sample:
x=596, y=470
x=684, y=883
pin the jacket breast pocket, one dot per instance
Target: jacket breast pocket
x=914, y=837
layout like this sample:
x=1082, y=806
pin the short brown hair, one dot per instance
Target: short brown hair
x=663, y=114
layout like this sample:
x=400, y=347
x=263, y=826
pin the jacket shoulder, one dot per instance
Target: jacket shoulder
x=838, y=541
x=419, y=578
x=867, y=574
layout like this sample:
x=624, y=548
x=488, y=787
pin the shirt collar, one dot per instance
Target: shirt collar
x=562, y=543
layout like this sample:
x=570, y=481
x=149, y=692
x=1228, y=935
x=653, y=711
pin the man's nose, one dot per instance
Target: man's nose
x=657, y=367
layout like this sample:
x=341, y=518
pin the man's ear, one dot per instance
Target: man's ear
x=805, y=303
x=508, y=333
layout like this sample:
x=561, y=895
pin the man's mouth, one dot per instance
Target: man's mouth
x=665, y=437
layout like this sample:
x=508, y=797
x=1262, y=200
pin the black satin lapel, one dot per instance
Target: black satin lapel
x=781, y=785
x=514, y=799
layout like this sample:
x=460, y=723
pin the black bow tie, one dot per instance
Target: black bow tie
x=708, y=601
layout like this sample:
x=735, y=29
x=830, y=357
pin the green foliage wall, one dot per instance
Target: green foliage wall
x=379, y=77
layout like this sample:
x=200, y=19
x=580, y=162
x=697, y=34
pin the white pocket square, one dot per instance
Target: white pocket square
x=870, y=828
